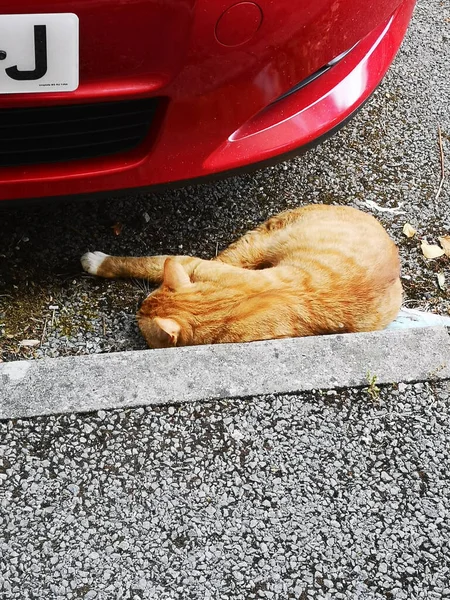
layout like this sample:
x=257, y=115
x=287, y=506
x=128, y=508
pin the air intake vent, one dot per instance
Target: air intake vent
x=72, y=132
x=315, y=75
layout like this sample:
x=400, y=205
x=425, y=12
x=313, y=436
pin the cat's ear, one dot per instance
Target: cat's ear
x=167, y=330
x=174, y=275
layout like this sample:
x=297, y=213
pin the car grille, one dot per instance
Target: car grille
x=72, y=132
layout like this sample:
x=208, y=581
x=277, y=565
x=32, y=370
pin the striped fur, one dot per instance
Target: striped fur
x=313, y=270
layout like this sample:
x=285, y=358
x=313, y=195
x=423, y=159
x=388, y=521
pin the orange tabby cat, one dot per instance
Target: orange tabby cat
x=309, y=271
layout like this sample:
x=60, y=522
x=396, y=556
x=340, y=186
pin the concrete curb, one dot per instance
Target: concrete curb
x=102, y=381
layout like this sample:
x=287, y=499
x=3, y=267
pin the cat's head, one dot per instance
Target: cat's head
x=180, y=312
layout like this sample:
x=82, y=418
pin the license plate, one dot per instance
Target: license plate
x=38, y=53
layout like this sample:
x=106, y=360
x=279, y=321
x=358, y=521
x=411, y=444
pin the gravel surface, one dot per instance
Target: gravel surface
x=388, y=155
x=337, y=495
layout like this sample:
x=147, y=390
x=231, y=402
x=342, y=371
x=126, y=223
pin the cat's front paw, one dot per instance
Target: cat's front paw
x=91, y=261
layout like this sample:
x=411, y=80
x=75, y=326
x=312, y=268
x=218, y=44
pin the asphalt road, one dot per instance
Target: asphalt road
x=387, y=158
x=339, y=495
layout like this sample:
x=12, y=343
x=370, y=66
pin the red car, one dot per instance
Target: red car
x=103, y=95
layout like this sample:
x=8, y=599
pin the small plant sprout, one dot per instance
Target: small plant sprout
x=373, y=390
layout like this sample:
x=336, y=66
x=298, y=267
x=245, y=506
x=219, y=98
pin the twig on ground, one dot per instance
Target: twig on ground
x=441, y=152
x=44, y=331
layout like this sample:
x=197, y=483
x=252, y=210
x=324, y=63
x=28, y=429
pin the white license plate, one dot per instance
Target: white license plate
x=38, y=53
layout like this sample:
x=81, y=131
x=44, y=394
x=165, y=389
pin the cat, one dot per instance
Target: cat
x=312, y=270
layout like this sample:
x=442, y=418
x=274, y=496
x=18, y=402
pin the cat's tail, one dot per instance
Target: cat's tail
x=410, y=317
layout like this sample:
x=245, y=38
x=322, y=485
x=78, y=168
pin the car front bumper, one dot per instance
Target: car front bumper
x=210, y=121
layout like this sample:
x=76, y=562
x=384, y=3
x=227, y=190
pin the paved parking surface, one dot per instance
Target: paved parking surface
x=335, y=495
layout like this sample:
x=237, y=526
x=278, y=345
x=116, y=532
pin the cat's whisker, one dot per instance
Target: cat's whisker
x=143, y=285
x=146, y=286
x=139, y=285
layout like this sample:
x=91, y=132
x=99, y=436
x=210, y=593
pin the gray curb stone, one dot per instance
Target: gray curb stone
x=102, y=381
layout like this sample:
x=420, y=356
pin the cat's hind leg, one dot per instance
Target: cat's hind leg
x=262, y=247
x=255, y=250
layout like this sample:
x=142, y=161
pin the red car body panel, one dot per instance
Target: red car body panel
x=219, y=68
